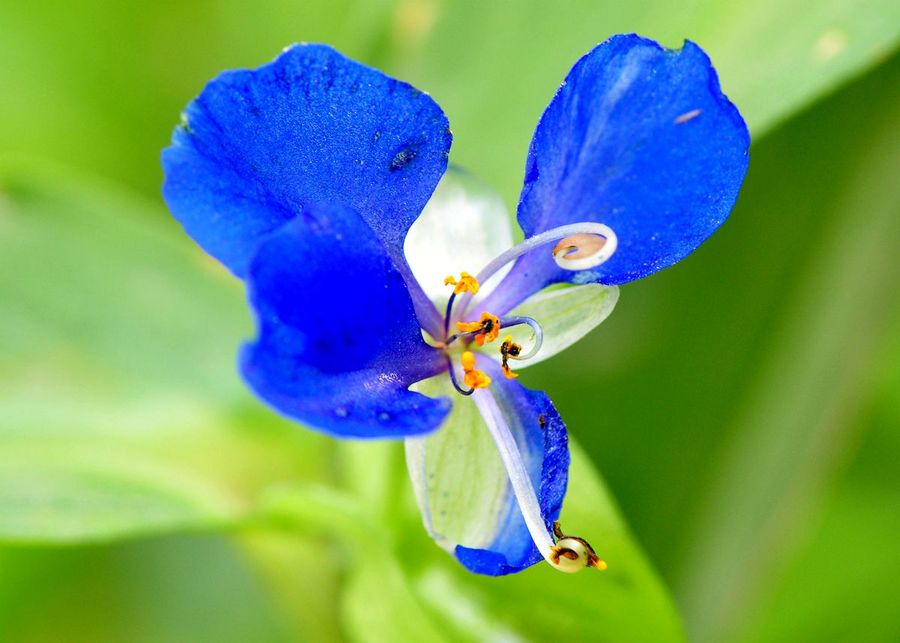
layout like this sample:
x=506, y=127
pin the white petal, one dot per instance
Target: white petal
x=566, y=314
x=463, y=227
x=459, y=480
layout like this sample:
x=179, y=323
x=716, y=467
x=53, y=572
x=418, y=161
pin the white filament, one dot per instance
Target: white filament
x=515, y=469
x=548, y=236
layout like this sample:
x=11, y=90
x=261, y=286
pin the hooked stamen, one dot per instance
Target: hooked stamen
x=576, y=237
x=467, y=283
x=568, y=553
x=571, y=554
x=582, y=251
x=537, y=337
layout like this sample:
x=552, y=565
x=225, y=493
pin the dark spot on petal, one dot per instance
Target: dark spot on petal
x=402, y=158
x=542, y=421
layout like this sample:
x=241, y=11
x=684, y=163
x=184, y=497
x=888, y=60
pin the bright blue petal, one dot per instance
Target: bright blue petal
x=642, y=139
x=338, y=342
x=462, y=486
x=259, y=147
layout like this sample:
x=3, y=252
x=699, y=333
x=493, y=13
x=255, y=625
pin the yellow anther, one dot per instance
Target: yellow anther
x=571, y=553
x=509, y=349
x=488, y=328
x=466, y=283
x=473, y=377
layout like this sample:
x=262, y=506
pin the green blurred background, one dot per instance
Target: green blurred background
x=742, y=407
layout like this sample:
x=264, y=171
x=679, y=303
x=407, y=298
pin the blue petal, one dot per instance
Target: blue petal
x=259, y=147
x=542, y=439
x=338, y=342
x=642, y=139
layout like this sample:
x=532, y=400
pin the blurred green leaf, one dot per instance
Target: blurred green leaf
x=840, y=583
x=101, y=85
x=186, y=588
x=807, y=404
x=303, y=579
x=120, y=409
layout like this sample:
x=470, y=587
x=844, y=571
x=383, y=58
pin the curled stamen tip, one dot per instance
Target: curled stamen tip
x=571, y=554
x=585, y=250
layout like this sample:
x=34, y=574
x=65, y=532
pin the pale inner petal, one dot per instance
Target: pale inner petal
x=463, y=227
x=566, y=314
x=459, y=479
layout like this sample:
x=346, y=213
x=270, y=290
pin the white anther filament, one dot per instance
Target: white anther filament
x=515, y=469
x=575, y=254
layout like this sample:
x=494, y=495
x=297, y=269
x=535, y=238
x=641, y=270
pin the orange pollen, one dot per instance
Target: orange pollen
x=466, y=283
x=473, y=377
x=488, y=328
x=509, y=349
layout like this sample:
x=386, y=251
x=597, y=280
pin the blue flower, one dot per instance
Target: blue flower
x=323, y=185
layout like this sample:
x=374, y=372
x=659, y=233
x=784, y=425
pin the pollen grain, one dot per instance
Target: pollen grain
x=466, y=283
x=473, y=377
x=509, y=349
x=487, y=328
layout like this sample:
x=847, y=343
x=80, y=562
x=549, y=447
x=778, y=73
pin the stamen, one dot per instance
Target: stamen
x=459, y=389
x=582, y=251
x=537, y=337
x=509, y=349
x=473, y=377
x=486, y=329
x=572, y=554
x=466, y=283
x=556, y=553
x=568, y=232
x=447, y=317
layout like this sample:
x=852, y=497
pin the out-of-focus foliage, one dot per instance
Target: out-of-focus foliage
x=744, y=405
x=98, y=83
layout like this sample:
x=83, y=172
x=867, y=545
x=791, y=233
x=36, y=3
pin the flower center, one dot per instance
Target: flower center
x=579, y=246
